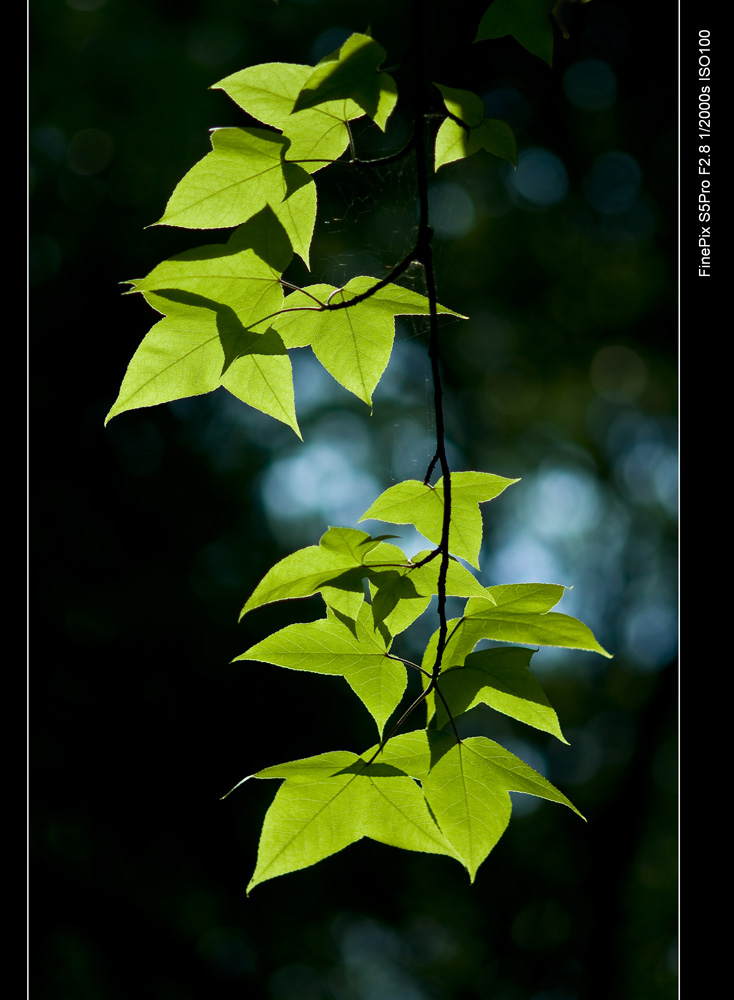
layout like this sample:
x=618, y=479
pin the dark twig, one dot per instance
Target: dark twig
x=431, y=467
x=424, y=255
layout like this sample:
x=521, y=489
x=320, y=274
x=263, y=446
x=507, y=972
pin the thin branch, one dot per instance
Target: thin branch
x=424, y=255
x=295, y=288
x=382, y=161
x=455, y=118
x=426, y=559
x=378, y=161
x=431, y=467
x=315, y=159
x=382, y=283
x=329, y=306
x=352, y=150
x=408, y=663
x=409, y=711
x=448, y=712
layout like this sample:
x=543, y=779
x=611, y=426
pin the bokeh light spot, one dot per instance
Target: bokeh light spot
x=651, y=636
x=590, y=85
x=451, y=210
x=509, y=106
x=613, y=184
x=540, y=178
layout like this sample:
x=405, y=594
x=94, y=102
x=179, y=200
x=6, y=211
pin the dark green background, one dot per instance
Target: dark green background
x=148, y=536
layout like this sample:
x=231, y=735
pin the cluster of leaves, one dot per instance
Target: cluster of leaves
x=230, y=319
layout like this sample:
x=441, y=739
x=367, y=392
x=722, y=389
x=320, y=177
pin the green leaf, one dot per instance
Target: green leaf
x=351, y=73
x=323, y=765
x=501, y=679
x=521, y=613
x=387, y=100
x=354, y=343
x=245, y=171
x=231, y=277
x=268, y=92
x=334, y=800
x=518, y=612
x=213, y=297
x=453, y=141
x=467, y=785
x=471, y=806
x=329, y=646
x=339, y=563
x=526, y=20
x=523, y=597
x=457, y=648
x=339, y=553
x=261, y=376
x=263, y=233
x=199, y=346
x=464, y=104
x=306, y=823
x=402, y=593
x=467, y=790
x=414, y=753
x=411, y=502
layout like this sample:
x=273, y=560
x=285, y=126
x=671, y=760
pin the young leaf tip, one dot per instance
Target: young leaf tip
x=235, y=787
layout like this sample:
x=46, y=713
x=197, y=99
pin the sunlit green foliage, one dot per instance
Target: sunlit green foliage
x=228, y=322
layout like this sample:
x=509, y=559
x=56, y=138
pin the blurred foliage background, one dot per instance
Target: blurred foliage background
x=148, y=536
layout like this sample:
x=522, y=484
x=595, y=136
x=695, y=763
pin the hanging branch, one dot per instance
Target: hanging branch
x=227, y=322
x=425, y=256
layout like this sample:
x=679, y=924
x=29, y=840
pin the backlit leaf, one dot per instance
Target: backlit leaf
x=463, y=104
x=331, y=803
x=411, y=502
x=467, y=790
x=521, y=614
x=354, y=343
x=340, y=553
x=414, y=753
x=454, y=142
x=235, y=278
x=352, y=73
x=245, y=171
x=329, y=646
x=401, y=594
x=199, y=346
x=501, y=679
x=268, y=92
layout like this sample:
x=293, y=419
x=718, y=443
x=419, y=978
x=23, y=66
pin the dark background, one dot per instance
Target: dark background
x=148, y=536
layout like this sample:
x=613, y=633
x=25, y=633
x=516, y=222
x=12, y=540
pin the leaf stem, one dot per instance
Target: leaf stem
x=295, y=288
x=352, y=150
x=378, y=161
x=449, y=713
x=408, y=663
x=455, y=118
x=383, y=161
